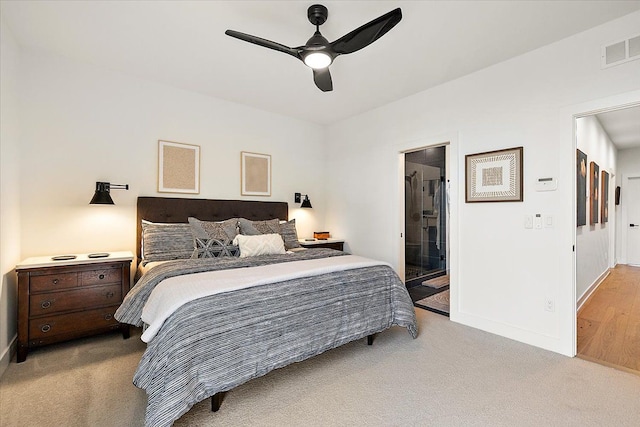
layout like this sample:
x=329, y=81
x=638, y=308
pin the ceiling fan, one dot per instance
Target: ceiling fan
x=318, y=53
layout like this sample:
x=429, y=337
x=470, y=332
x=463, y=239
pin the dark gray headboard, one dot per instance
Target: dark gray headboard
x=174, y=209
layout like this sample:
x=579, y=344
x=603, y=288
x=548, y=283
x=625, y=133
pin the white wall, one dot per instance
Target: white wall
x=9, y=191
x=501, y=272
x=83, y=124
x=593, y=242
x=628, y=165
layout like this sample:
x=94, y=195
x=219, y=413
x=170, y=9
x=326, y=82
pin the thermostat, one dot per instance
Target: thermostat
x=546, y=184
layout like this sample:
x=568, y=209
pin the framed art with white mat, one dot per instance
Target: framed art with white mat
x=255, y=174
x=494, y=176
x=178, y=167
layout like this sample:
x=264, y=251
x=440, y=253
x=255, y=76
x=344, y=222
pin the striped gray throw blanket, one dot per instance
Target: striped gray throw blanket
x=217, y=342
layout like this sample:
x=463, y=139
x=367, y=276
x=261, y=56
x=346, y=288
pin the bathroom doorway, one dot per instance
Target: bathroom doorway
x=425, y=214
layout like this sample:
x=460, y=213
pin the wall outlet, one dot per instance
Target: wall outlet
x=549, y=305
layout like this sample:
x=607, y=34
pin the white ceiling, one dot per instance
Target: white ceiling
x=182, y=44
x=622, y=126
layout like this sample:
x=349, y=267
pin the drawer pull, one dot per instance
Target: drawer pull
x=45, y=328
x=101, y=276
x=55, y=281
x=45, y=304
x=108, y=316
x=110, y=294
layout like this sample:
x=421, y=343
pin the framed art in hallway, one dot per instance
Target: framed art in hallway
x=255, y=174
x=604, y=199
x=594, y=175
x=178, y=167
x=581, y=188
x=494, y=176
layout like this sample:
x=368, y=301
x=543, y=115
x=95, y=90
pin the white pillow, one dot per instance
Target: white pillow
x=262, y=244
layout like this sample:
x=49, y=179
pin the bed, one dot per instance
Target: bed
x=265, y=312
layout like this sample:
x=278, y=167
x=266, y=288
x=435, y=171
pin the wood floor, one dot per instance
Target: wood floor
x=609, y=322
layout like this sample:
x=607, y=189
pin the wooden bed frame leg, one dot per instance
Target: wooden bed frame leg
x=216, y=401
x=370, y=339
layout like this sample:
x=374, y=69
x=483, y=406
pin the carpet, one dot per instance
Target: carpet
x=437, y=282
x=438, y=302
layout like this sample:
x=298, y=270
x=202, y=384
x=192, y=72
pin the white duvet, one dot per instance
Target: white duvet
x=172, y=293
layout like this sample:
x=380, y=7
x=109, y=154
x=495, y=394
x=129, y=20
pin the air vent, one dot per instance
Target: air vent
x=621, y=51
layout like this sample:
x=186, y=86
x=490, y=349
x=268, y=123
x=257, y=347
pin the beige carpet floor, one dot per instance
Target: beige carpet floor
x=451, y=375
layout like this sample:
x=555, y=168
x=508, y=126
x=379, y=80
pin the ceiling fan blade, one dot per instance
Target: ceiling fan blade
x=322, y=77
x=367, y=34
x=264, y=43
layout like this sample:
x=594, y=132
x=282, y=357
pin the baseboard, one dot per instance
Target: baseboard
x=591, y=289
x=7, y=354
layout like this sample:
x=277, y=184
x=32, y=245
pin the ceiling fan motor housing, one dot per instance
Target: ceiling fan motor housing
x=317, y=14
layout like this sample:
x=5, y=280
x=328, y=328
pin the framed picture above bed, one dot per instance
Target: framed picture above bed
x=494, y=176
x=255, y=174
x=178, y=167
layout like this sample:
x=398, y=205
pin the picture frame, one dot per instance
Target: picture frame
x=255, y=174
x=604, y=197
x=178, y=167
x=581, y=188
x=594, y=176
x=494, y=176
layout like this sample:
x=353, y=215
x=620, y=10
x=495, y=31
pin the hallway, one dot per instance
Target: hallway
x=609, y=322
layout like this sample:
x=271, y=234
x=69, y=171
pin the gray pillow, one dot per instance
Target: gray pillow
x=212, y=248
x=164, y=242
x=254, y=228
x=289, y=234
x=212, y=239
x=224, y=231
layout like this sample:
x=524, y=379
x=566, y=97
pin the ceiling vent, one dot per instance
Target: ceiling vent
x=621, y=51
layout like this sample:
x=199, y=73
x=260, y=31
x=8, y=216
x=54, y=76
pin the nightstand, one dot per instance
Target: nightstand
x=67, y=299
x=328, y=243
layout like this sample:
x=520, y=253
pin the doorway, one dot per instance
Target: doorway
x=632, y=225
x=608, y=328
x=425, y=226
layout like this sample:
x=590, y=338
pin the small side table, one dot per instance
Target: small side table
x=337, y=244
x=67, y=299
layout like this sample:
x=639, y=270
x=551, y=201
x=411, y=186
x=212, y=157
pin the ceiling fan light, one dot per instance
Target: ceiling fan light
x=317, y=60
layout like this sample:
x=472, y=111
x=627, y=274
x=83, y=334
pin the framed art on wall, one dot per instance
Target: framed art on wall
x=255, y=174
x=604, y=199
x=494, y=176
x=581, y=188
x=594, y=173
x=178, y=167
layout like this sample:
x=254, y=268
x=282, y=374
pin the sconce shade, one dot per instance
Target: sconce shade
x=102, y=196
x=306, y=203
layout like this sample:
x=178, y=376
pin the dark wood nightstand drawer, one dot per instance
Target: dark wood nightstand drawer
x=73, y=322
x=53, y=282
x=99, y=277
x=54, y=302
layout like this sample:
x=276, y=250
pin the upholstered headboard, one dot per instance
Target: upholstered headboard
x=177, y=210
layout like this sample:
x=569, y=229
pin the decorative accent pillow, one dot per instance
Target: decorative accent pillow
x=253, y=228
x=212, y=248
x=224, y=231
x=264, y=244
x=164, y=242
x=213, y=239
x=289, y=234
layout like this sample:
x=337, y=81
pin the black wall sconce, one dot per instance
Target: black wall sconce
x=306, y=203
x=102, y=196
